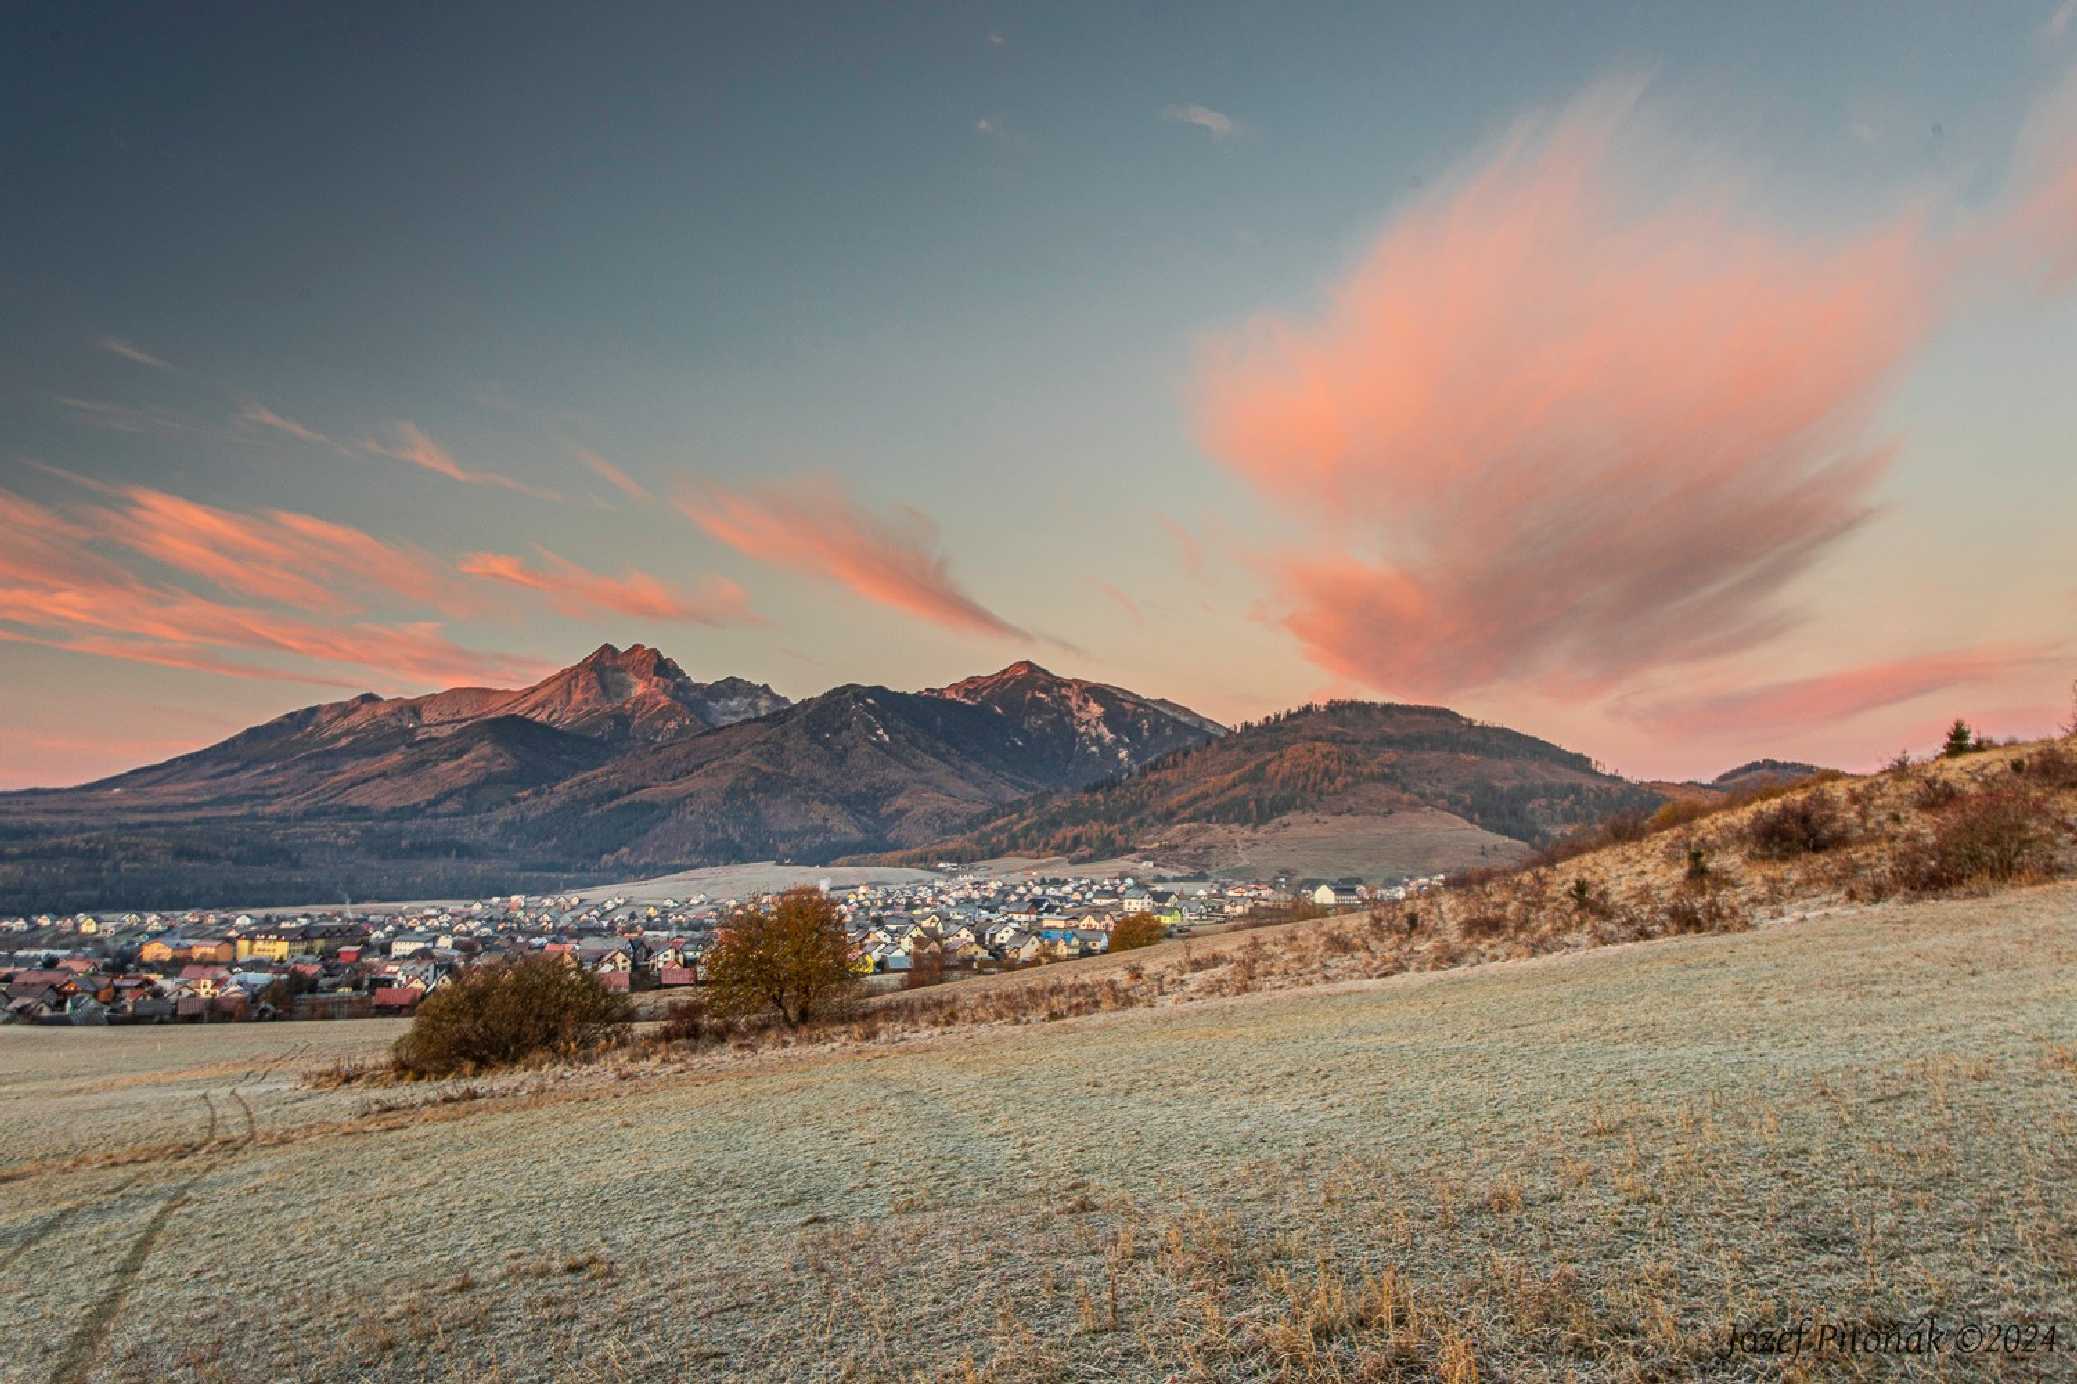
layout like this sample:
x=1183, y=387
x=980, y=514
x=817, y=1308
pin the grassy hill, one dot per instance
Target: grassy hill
x=1582, y=1166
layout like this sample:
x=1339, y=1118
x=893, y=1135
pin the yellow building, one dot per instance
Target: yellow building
x=267, y=946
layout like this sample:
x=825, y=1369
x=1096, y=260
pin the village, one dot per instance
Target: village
x=218, y=966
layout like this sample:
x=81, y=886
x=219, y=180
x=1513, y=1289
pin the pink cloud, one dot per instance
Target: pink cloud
x=1840, y=694
x=1124, y=602
x=55, y=591
x=575, y=590
x=2040, y=230
x=1562, y=424
x=613, y=475
x=295, y=559
x=415, y=447
x=260, y=414
x=1187, y=547
x=131, y=352
x=816, y=529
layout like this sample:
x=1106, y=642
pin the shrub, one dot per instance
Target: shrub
x=1136, y=930
x=687, y=1022
x=502, y=1012
x=2051, y=767
x=1483, y=927
x=1936, y=795
x=1701, y=913
x=1997, y=837
x=1698, y=865
x=1796, y=826
x=1678, y=812
x=926, y=968
x=792, y=958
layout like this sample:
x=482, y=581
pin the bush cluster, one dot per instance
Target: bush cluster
x=503, y=1012
x=1805, y=825
x=2001, y=836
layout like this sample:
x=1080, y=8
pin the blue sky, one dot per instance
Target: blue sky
x=962, y=260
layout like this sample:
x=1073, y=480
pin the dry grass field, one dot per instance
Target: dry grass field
x=1580, y=1165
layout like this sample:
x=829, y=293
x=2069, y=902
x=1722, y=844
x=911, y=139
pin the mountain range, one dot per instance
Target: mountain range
x=624, y=765
x=620, y=763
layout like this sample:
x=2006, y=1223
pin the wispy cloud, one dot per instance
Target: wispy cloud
x=1561, y=427
x=131, y=352
x=1123, y=601
x=262, y=416
x=1835, y=696
x=1187, y=547
x=58, y=587
x=814, y=528
x=613, y=475
x=126, y=418
x=414, y=446
x=577, y=591
x=1218, y=123
x=2059, y=22
x=277, y=555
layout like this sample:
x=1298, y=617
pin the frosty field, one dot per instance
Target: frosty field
x=1585, y=1164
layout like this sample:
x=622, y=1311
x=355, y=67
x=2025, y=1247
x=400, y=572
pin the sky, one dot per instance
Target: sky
x=1684, y=384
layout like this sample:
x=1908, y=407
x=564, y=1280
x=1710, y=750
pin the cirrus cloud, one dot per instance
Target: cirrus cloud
x=1217, y=123
x=1838, y=694
x=414, y=446
x=57, y=589
x=577, y=591
x=815, y=528
x=612, y=475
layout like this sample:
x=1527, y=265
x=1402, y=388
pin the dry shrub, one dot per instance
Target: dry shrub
x=687, y=1021
x=1691, y=913
x=506, y=1011
x=1936, y=795
x=1678, y=812
x=926, y=968
x=2001, y=836
x=1483, y=927
x=2052, y=768
x=343, y=1072
x=1806, y=825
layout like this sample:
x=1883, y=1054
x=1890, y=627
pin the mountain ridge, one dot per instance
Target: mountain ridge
x=620, y=762
x=1362, y=763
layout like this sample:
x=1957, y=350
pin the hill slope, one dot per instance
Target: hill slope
x=1359, y=764
x=1458, y=1167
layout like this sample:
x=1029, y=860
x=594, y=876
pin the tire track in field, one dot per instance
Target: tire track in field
x=51, y=1224
x=92, y=1335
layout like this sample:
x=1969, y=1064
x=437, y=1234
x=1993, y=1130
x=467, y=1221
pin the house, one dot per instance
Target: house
x=205, y=981
x=1337, y=896
x=397, y=1000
